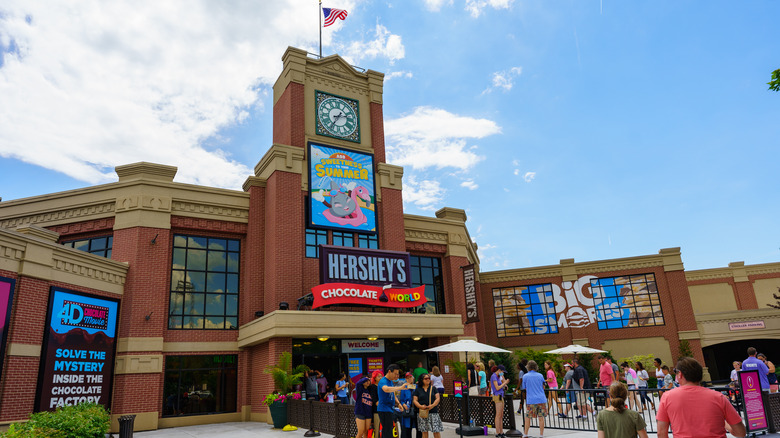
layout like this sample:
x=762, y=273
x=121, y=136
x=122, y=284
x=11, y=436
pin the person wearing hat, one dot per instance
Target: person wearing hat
x=568, y=384
x=363, y=407
x=497, y=385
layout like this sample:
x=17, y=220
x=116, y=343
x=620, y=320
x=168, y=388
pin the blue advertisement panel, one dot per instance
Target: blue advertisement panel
x=342, y=194
x=78, y=350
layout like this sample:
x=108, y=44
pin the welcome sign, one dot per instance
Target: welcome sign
x=78, y=350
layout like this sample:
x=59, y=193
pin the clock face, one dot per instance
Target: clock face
x=337, y=117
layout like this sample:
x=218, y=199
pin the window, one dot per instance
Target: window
x=628, y=301
x=426, y=271
x=525, y=310
x=204, y=283
x=94, y=245
x=368, y=241
x=343, y=239
x=315, y=238
x=200, y=385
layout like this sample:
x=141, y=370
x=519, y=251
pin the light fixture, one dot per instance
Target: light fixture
x=284, y=305
x=306, y=342
x=373, y=338
x=259, y=314
x=416, y=338
x=323, y=338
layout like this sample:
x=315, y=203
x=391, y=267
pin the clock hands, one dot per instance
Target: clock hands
x=338, y=116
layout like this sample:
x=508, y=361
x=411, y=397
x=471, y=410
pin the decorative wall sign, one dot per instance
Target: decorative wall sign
x=337, y=117
x=470, y=293
x=362, y=346
x=7, y=286
x=360, y=294
x=746, y=325
x=77, y=362
x=342, y=194
x=339, y=264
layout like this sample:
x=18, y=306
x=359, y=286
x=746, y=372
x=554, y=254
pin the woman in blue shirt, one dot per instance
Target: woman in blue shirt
x=363, y=407
x=341, y=389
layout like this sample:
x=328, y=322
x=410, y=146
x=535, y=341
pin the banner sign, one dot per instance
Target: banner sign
x=7, y=287
x=342, y=195
x=339, y=264
x=753, y=412
x=355, y=367
x=376, y=364
x=746, y=325
x=470, y=292
x=362, y=346
x=346, y=293
x=457, y=388
x=77, y=359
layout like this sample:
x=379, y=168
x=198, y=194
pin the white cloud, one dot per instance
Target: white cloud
x=435, y=5
x=432, y=137
x=517, y=172
x=469, y=184
x=504, y=80
x=529, y=176
x=97, y=84
x=476, y=7
x=385, y=44
x=426, y=194
x=398, y=74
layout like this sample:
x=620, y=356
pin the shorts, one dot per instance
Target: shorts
x=582, y=398
x=536, y=410
x=571, y=396
x=483, y=391
x=430, y=424
x=362, y=417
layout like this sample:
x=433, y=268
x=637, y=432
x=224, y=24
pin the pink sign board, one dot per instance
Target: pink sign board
x=755, y=416
x=376, y=363
x=746, y=325
x=457, y=388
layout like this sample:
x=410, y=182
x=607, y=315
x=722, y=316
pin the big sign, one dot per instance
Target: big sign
x=78, y=350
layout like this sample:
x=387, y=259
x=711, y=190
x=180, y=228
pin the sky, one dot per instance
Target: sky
x=585, y=129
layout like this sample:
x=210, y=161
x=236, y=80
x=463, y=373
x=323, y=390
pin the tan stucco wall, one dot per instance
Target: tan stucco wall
x=710, y=298
x=765, y=290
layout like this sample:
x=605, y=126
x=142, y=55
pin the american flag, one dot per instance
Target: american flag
x=332, y=14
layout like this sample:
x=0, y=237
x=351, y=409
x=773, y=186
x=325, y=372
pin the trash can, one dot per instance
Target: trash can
x=126, y=426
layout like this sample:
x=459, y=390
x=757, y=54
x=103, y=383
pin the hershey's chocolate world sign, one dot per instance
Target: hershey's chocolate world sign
x=78, y=350
x=375, y=267
x=470, y=292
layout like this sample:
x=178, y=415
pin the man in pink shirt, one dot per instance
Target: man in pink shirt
x=605, y=372
x=696, y=411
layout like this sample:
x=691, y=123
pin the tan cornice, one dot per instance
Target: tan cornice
x=280, y=157
x=310, y=324
x=450, y=230
x=134, y=202
x=202, y=347
x=736, y=270
x=739, y=315
x=569, y=270
x=41, y=258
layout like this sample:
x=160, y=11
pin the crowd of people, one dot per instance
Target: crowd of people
x=413, y=401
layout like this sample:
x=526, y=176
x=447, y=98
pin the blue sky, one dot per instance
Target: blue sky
x=584, y=129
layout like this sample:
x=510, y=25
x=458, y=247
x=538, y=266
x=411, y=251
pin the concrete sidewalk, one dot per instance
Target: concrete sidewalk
x=257, y=430
x=263, y=430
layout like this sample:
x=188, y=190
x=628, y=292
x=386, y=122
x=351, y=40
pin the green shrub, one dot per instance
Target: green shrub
x=85, y=420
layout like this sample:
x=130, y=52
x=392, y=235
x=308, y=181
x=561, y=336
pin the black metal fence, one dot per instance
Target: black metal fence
x=578, y=411
x=339, y=420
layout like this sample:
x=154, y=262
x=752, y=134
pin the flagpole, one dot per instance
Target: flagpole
x=320, y=15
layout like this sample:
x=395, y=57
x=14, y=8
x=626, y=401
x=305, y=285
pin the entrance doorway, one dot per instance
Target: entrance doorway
x=719, y=357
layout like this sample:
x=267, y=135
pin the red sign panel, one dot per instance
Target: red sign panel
x=347, y=293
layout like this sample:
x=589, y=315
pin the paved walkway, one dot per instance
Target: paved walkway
x=263, y=430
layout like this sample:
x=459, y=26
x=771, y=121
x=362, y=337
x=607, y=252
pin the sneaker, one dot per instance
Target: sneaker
x=562, y=415
x=580, y=416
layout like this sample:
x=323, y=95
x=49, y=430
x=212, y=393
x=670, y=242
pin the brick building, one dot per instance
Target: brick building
x=192, y=291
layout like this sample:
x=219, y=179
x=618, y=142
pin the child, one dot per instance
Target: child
x=331, y=395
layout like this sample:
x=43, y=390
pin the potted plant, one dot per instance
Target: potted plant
x=284, y=380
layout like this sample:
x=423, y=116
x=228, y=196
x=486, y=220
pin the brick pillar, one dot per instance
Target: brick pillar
x=746, y=297
x=377, y=131
x=289, y=117
x=252, y=254
x=147, y=293
x=390, y=223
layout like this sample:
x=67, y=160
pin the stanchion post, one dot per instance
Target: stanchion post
x=509, y=400
x=311, y=432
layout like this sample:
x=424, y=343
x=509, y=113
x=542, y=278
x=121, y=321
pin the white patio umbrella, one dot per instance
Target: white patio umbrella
x=575, y=349
x=467, y=346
